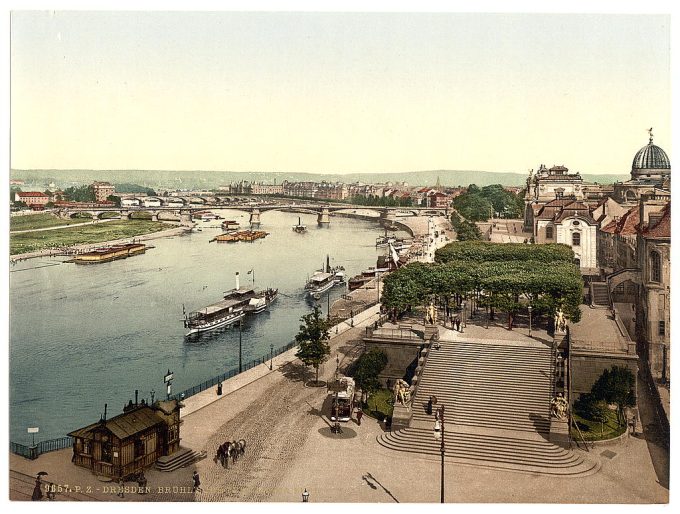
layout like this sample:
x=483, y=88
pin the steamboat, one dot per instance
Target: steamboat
x=233, y=307
x=325, y=278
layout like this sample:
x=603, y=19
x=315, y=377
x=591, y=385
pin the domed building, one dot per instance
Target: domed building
x=651, y=170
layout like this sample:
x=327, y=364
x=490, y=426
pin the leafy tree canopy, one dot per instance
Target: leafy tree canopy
x=367, y=369
x=505, y=276
x=479, y=204
x=313, y=340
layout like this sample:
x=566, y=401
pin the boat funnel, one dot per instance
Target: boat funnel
x=238, y=286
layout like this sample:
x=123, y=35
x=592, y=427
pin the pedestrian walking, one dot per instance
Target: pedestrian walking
x=360, y=413
x=37, y=490
x=429, y=406
x=121, y=485
x=197, y=482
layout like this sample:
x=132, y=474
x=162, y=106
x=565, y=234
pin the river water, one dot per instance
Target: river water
x=83, y=336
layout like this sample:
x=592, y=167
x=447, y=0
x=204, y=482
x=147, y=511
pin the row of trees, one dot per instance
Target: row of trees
x=505, y=277
x=480, y=204
x=379, y=201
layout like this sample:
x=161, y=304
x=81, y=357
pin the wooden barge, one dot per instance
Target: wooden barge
x=110, y=253
x=243, y=235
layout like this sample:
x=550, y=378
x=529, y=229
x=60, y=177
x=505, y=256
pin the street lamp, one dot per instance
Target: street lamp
x=464, y=319
x=336, y=405
x=529, y=320
x=240, y=350
x=305, y=496
x=271, y=356
x=439, y=436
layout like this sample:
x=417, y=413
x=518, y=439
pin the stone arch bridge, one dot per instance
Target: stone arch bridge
x=185, y=213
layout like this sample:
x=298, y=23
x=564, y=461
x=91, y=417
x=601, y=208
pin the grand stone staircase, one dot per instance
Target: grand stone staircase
x=497, y=409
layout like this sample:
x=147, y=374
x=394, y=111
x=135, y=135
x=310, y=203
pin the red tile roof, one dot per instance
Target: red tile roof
x=33, y=193
x=661, y=228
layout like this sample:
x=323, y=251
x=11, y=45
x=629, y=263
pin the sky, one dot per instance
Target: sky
x=336, y=92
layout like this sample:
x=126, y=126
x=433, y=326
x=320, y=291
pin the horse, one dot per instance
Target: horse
x=223, y=452
x=233, y=446
x=241, y=447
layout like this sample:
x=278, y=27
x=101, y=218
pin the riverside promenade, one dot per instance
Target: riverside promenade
x=290, y=448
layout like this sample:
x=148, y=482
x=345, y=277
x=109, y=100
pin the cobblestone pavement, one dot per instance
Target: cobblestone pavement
x=275, y=422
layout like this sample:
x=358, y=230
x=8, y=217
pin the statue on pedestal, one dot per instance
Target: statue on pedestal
x=431, y=315
x=560, y=322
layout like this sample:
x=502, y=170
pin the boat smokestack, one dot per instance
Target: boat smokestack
x=136, y=396
x=328, y=263
x=238, y=286
x=105, y=406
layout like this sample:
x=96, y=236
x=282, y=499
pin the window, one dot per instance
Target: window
x=548, y=232
x=139, y=448
x=576, y=239
x=107, y=452
x=662, y=328
x=655, y=267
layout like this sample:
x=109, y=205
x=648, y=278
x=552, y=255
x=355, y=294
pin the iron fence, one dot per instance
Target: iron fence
x=212, y=382
x=50, y=445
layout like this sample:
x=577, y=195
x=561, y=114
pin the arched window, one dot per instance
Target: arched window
x=655, y=267
x=548, y=232
x=576, y=239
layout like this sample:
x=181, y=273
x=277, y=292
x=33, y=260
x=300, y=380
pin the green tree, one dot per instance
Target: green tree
x=80, y=194
x=313, y=340
x=367, y=369
x=115, y=199
x=616, y=385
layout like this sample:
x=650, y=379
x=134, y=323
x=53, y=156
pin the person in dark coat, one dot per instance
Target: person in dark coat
x=360, y=413
x=37, y=490
x=429, y=406
x=197, y=482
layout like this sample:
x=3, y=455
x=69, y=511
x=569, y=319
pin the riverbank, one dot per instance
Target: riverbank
x=79, y=248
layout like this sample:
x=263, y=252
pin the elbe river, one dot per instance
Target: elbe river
x=83, y=336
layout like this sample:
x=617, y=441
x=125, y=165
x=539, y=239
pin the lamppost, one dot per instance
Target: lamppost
x=240, y=349
x=336, y=407
x=529, y=320
x=462, y=328
x=305, y=496
x=439, y=436
x=378, y=274
x=271, y=356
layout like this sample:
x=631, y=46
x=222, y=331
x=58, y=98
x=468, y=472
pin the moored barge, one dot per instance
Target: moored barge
x=110, y=253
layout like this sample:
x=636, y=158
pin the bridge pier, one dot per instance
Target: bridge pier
x=324, y=217
x=185, y=217
x=255, y=217
x=125, y=214
x=154, y=216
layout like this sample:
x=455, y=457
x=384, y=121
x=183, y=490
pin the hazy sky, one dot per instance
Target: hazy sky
x=329, y=92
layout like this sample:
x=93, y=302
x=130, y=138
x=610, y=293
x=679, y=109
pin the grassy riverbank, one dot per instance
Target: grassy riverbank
x=86, y=234
x=44, y=220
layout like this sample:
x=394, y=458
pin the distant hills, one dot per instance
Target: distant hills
x=213, y=179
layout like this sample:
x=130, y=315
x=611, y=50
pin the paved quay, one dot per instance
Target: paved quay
x=290, y=448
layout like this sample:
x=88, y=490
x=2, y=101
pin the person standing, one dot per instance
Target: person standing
x=429, y=406
x=121, y=485
x=360, y=413
x=197, y=481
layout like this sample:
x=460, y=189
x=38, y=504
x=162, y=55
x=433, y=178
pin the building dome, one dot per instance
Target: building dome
x=650, y=160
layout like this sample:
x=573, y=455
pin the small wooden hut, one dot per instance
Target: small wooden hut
x=130, y=442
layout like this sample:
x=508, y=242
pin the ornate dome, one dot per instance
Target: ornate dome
x=650, y=160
